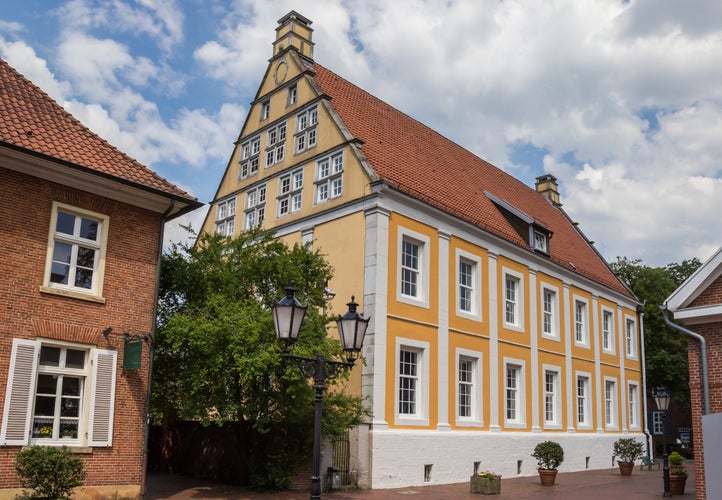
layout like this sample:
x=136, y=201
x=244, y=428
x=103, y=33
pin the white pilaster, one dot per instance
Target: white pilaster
x=570, y=378
x=443, y=334
x=596, y=335
x=493, y=344
x=534, y=346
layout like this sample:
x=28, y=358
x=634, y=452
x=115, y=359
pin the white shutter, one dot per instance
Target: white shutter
x=102, y=401
x=19, y=393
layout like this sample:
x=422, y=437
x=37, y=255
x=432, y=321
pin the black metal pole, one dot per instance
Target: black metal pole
x=319, y=386
x=665, y=459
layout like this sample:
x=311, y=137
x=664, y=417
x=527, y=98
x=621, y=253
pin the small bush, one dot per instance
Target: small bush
x=628, y=450
x=51, y=472
x=549, y=455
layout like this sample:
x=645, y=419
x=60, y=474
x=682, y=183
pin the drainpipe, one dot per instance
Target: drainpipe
x=640, y=313
x=703, y=353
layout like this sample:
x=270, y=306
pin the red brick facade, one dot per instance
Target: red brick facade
x=129, y=292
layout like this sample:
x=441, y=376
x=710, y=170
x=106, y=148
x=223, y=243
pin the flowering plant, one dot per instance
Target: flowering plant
x=488, y=474
x=45, y=430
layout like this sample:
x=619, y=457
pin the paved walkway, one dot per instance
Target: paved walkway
x=605, y=484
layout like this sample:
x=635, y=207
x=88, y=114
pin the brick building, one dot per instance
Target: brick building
x=697, y=303
x=81, y=234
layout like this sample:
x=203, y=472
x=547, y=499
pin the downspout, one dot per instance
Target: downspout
x=146, y=425
x=703, y=353
x=640, y=312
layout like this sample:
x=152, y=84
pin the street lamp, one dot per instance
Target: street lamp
x=288, y=314
x=662, y=399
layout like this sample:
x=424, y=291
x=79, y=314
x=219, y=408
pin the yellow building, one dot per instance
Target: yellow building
x=495, y=324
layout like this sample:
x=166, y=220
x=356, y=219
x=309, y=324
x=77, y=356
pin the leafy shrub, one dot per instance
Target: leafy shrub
x=51, y=472
x=628, y=449
x=549, y=455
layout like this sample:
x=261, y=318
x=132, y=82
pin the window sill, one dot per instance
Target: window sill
x=71, y=294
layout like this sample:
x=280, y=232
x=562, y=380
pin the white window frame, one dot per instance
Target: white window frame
x=265, y=110
x=97, y=404
x=255, y=207
x=583, y=402
x=292, y=96
x=421, y=298
x=306, y=136
x=474, y=286
x=552, y=315
x=475, y=419
x=276, y=144
x=516, y=302
x=555, y=395
x=328, y=183
x=225, y=216
x=630, y=337
x=608, y=337
x=518, y=421
x=291, y=196
x=581, y=321
x=421, y=416
x=98, y=246
x=249, y=162
x=611, y=408
x=541, y=241
x=658, y=422
x=633, y=405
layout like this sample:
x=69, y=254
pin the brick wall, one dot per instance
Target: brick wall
x=712, y=295
x=713, y=336
x=129, y=288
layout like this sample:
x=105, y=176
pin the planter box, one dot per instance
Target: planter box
x=486, y=485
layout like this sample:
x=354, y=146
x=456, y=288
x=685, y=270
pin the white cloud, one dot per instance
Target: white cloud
x=23, y=58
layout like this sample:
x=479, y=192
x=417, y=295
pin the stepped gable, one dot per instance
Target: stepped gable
x=416, y=160
x=30, y=119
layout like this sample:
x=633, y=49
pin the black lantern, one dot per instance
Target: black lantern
x=352, y=328
x=662, y=398
x=288, y=314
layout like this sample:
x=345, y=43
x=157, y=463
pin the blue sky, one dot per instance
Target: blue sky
x=620, y=100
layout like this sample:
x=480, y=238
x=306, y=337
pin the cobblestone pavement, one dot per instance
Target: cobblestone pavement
x=605, y=484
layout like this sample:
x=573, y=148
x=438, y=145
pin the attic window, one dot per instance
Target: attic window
x=541, y=241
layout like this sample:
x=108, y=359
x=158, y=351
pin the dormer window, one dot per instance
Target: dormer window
x=531, y=231
x=541, y=241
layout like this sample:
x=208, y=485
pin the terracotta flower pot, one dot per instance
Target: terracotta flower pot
x=676, y=484
x=625, y=468
x=547, y=476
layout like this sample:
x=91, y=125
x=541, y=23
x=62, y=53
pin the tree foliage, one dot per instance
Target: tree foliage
x=217, y=356
x=665, y=348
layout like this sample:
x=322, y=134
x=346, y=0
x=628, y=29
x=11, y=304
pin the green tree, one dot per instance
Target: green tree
x=217, y=357
x=665, y=348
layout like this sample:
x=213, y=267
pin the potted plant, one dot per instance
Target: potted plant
x=486, y=483
x=627, y=451
x=549, y=455
x=677, y=473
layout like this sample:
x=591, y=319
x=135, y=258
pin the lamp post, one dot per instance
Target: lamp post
x=662, y=399
x=288, y=314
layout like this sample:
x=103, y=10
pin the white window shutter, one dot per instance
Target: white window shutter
x=15, y=429
x=102, y=401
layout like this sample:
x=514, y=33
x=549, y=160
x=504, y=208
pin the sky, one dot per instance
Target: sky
x=621, y=100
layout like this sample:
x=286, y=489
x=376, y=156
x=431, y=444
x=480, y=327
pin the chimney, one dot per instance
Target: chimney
x=547, y=185
x=294, y=31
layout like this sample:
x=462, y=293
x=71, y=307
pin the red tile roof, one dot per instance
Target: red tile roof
x=32, y=120
x=416, y=160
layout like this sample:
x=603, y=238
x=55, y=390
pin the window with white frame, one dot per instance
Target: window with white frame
x=583, y=401
x=468, y=301
x=413, y=268
x=608, y=330
x=290, y=188
x=631, y=338
x=581, y=322
x=292, y=97
x=541, y=241
x=59, y=393
x=513, y=306
x=265, y=110
x=255, y=211
x=411, y=379
x=276, y=145
x=306, y=129
x=329, y=177
x=610, y=403
x=75, y=258
x=550, y=313
x=552, y=401
x=468, y=383
x=658, y=422
x=633, y=404
x=225, y=216
x=250, y=153
x=514, y=393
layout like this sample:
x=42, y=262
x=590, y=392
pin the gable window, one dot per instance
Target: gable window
x=513, y=300
x=292, y=95
x=290, y=188
x=306, y=129
x=250, y=153
x=255, y=211
x=631, y=338
x=329, y=178
x=276, y=145
x=550, y=314
x=581, y=335
x=75, y=259
x=552, y=401
x=225, y=217
x=59, y=393
x=411, y=381
x=265, y=110
x=583, y=413
x=608, y=331
x=610, y=403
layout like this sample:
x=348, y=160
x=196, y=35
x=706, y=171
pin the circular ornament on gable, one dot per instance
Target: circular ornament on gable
x=281, y=71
